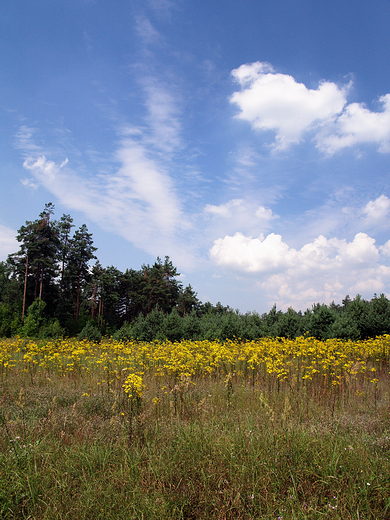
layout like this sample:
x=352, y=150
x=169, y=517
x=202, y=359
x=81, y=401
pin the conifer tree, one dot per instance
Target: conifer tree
x=77, y=272
x=36, y=262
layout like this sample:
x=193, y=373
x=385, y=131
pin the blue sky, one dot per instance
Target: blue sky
x=249, y=141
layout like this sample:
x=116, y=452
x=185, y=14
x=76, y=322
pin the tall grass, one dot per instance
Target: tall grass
x=77, y=444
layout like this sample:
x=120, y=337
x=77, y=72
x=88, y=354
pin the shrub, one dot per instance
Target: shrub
x=90, y=332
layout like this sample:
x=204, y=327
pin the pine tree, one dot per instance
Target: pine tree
x=64, y=227
x=77, y=273
x=160, y=286
x=188, y=301
x=36, y=262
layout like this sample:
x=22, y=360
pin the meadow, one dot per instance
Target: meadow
x=266, y=429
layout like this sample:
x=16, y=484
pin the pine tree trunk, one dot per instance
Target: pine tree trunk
x=25, y=289
x=40, y=286
x=93, y=302
x=78, y=299
x=36, y=282
x=63, y=268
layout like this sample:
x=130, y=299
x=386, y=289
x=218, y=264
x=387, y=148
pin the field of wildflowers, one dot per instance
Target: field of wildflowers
x=272, y=428
x=333, y=367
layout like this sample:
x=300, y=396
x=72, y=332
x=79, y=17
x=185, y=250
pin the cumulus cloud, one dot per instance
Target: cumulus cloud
x=377, y=212
x=272, y=101
x=385, y=249
x=263, y=213
x=266, y=255
x=358, y=125
x=322, y=270
x=252, y=255
x=276, y=102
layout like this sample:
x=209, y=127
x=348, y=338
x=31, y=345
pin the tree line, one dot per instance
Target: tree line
x=55, y=286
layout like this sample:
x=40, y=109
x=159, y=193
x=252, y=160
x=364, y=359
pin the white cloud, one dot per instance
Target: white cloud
x=142, y=180
x=30, y=183
x=239, y=209
x=358, y=125
x=24, y=141
x=342, y=214
x=252, y=255
x=164, y=128
x=361, y=251
x=377, y=211
x=135, y=194
x=8, y=242
x=385, y=249
x=137, y=201
x=146, y=31
x=237, y=214
x=270, y=254
x=263, y=213
x=276, y=102
x=271, y=101
x=322, y=270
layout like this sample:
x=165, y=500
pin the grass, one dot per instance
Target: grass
x=273, y=430
x=213, y=450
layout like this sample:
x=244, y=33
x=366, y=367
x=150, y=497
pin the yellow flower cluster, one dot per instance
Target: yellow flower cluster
x=133, y=386
x=304, y=360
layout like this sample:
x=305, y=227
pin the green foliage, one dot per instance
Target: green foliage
x=288, y=325
x=344, y=328
x=144, y=328
x=90, y=332
x=231, y=326
x=6, y=318
x=319, y=321
x=35, y=319
x=159, y=286
x=191, y=326
x=188, y=301
x=210, y=326
x=172, y=326
x=153, y=325
x=49, y=289
x=52, y=329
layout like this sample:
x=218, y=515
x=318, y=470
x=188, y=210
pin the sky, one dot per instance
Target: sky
x=248, y=141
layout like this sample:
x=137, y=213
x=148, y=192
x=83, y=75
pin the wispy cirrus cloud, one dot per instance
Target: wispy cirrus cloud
x=137, y=201
x=276, y=102
x=238, y=215
x=146, y=31
x=163, y=127
x=25, y=141
x=136, y=190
